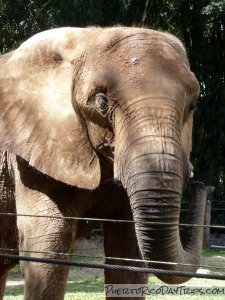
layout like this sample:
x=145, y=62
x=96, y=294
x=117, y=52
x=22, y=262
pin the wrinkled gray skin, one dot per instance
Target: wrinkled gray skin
x=80, y=108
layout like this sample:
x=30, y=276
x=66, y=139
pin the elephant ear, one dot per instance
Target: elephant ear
x=37, y=119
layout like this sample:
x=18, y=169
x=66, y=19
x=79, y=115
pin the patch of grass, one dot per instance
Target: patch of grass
x=85, y=289
x=14, y=293
x=15, y=272
x=12, y=297
x=213, y=252
x=93, y=289
x=80, y=285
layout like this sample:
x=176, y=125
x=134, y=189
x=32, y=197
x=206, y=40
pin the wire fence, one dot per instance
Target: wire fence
x=115, y=220
x=114, y=267
x=67, y=259
x=85, y=257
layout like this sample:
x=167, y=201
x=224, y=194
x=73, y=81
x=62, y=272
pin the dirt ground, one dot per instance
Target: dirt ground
x=216, y=261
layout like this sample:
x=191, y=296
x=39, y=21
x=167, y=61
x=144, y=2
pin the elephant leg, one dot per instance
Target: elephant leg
x=3, y=279
x=38, y=195
x=8, y=228
x=45, y=281
x=120, y=241
x=5, y=267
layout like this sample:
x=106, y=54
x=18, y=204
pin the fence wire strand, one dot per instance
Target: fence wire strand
x=113, y=258
x=114, y=267
x=114, y=220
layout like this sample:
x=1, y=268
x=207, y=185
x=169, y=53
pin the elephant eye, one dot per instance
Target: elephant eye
x=101, y=102
x=189, y=110
x=57, y=58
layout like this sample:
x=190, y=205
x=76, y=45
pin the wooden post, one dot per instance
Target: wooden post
x=206, y=231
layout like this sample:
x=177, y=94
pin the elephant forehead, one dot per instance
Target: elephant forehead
x=53, y=37
x=61, y=41
x=69, y=39
x=136, y=38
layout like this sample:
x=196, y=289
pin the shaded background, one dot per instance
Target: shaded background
x=200, y=24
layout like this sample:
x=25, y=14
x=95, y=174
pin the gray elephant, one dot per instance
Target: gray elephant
x=98, y=123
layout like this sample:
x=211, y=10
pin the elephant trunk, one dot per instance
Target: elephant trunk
x=153, y=173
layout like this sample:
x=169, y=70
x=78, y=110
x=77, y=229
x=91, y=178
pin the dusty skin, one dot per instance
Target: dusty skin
x=97, y=123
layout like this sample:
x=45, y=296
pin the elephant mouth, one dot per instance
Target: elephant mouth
x=188, y=172
x=191, y=170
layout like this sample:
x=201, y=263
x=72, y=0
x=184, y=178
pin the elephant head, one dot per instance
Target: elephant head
x=72, y=99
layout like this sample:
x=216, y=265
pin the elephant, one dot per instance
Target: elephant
x=97, y=122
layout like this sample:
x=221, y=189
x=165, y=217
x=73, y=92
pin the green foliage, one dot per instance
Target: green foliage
x=199, y=23
x=19, y=19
